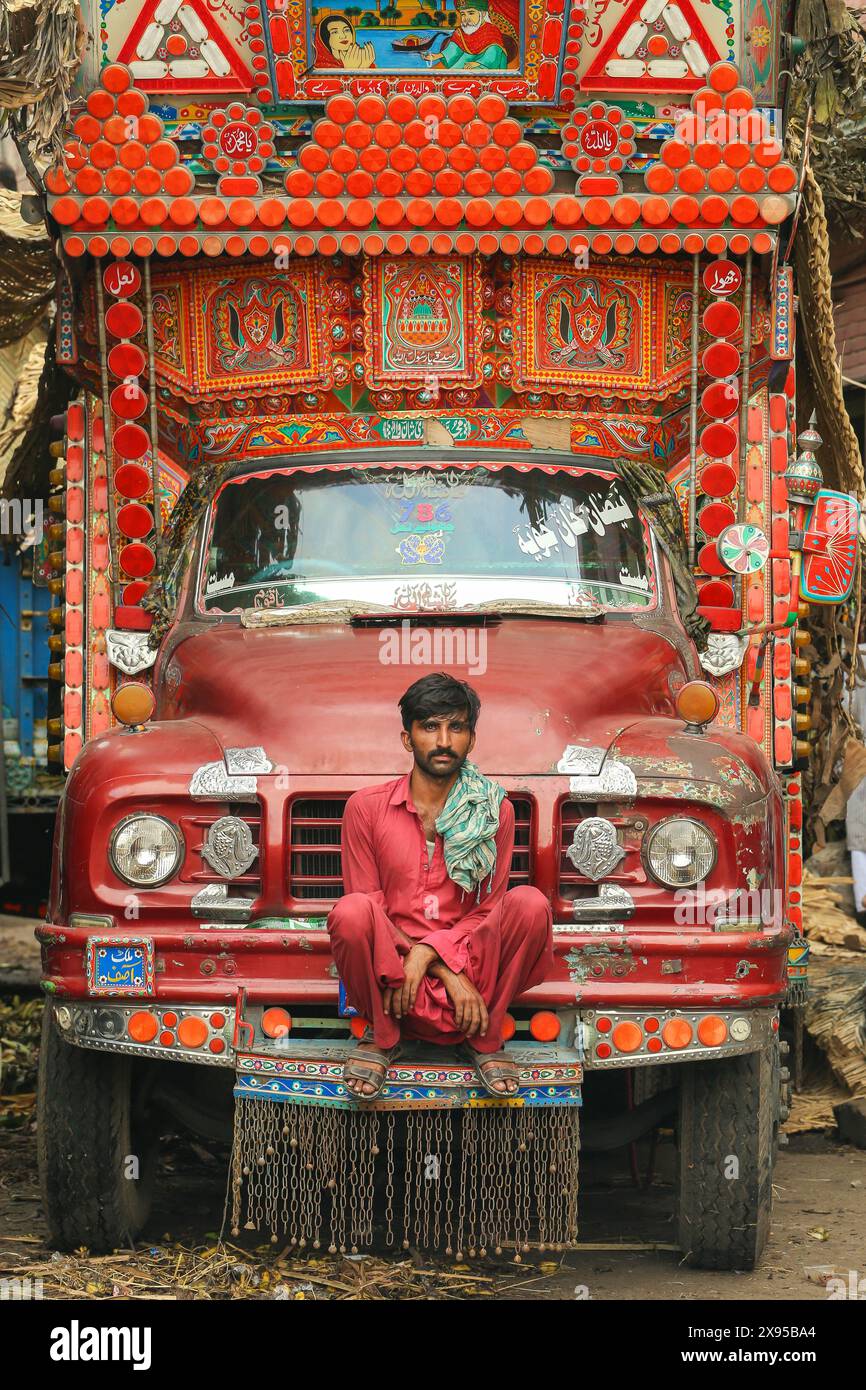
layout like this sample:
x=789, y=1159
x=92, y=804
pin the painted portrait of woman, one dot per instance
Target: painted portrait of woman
x=337, y=46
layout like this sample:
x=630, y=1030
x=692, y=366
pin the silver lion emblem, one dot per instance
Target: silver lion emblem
x=228, y=846
x=594, y=851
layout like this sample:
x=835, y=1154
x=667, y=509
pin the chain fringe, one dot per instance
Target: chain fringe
x=471, y=1182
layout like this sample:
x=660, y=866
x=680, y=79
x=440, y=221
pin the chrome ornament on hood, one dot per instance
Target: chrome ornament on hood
x=129, y=651
x=228, y=846
x=230, y=780
x=594, y=850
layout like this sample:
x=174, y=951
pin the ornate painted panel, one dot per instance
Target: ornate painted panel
x=228, y=331
x=422, y=320
x=623, y=331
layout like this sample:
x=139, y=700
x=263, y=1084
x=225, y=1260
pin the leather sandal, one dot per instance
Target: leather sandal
x=491, y=1067
x=371, y=1066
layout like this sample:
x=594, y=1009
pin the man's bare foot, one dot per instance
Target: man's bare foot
x=366, y=1068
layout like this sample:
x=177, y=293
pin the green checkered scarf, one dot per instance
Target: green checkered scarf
x=468, y=825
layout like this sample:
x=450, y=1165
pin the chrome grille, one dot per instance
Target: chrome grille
x=315, y=859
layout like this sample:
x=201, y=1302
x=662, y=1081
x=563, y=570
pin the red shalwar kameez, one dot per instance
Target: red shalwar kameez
x=394, y=899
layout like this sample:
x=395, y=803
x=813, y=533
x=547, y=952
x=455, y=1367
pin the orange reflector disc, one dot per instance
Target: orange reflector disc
x=143, y=1027
x=712, y=1030
x=627, y=1037
x=544, y=1026
x=677, y=1033
x=192, y=1031
x=276, y=1023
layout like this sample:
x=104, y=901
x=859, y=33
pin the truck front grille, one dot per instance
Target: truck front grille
x=315, y=860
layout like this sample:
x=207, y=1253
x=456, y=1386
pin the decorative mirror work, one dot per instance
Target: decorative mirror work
x=423, y=319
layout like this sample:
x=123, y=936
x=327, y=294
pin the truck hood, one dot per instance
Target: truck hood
x=322, y=699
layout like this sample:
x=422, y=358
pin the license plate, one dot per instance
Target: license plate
x=118, y=965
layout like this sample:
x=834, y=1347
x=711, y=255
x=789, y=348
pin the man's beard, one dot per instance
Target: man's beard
x=440, y=770
x=470, y=28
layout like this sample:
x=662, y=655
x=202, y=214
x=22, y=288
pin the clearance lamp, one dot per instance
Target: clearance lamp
x=697, y=704
x=132, y=704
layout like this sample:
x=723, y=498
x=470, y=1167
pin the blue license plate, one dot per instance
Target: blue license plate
x=120, y=966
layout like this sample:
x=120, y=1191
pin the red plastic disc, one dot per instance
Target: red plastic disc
x=721, y=399
x=717, y=593
x=121, y=279
x=721, y=359
x=123, y=320
x=126, y=359
x=128, y=401
x=714, y=517
x=721, y=319
x=718, y=479
x=134, y=520
x=137, y=560
x=722, y=277
x=718, y=441
x=135, y=592
x=709, y=561
x=131, y=442
x=131, y=480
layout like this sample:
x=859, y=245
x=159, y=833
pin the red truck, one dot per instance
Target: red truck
x=197, y=850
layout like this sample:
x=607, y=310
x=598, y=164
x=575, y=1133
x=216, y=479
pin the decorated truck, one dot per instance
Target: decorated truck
x=409, y=342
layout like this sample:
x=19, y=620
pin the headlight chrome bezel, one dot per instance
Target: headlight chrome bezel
x=662, y=825
x=175, y=834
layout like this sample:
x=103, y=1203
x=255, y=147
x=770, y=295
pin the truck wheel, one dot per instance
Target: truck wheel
x=728, y=1127
x=88, y=1128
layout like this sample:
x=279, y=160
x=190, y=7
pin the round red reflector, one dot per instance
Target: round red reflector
x=603, y=1050
x=276, y=1023
x=123, y=320
x=651, y=1025
x=131, y=442
x=169, y=1019
x=508, y=1027
x=217, y=1045
x=603, y=1025
x=721, y=359
x=718, y=440
x=131, y=480
x=143, y=1027
x=192, y=1031
x=166, y=1039
x=721, y=399
x=654, y=1045
x=544, y=1026
x=217, y=1020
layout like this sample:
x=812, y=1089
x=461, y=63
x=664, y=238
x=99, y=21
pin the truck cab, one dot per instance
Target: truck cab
x=198, y=849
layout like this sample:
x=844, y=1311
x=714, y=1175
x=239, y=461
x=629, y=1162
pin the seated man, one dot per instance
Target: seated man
x=427, y=941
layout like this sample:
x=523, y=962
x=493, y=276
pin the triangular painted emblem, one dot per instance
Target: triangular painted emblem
x=179, y=46
x=656, y=46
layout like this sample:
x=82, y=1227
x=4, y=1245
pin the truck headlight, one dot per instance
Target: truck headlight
x=680, y=852
x=145, y=850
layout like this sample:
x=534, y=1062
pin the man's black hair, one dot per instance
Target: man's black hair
x=436, y=695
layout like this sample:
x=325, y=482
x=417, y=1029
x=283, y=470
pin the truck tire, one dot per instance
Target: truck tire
x=729, y=1111
x=87, y=1129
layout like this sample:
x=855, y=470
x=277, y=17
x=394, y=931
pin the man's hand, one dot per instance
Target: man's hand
x=401, y=1000
x=470, y=1011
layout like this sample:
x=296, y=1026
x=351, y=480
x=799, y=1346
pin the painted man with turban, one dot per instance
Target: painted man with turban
x=477, y=43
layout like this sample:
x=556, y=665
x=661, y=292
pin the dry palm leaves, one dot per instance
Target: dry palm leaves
x=41, y=46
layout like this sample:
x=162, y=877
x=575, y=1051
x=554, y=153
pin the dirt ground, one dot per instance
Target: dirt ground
x=627, y=1231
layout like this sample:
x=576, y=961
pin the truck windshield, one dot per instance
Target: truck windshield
x=400, y=538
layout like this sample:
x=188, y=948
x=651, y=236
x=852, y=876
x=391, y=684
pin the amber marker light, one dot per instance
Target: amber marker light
x=712, y=1030
x=677, y=1033
x=697, y=704
x=133, y=704
x=626, y=1037
x=143, y=1027
x=544, y=1026
x=276, y=1023
x=508, y=1027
